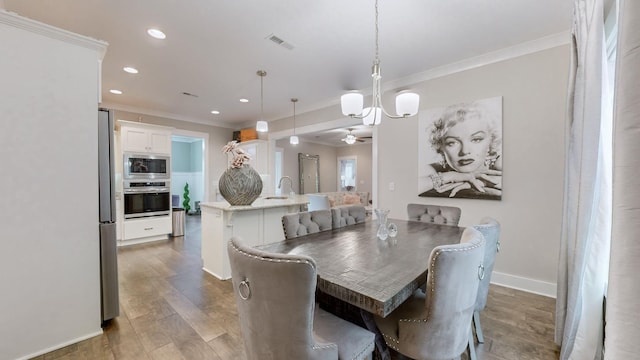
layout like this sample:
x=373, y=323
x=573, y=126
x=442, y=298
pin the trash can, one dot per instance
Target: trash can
x=177, y=222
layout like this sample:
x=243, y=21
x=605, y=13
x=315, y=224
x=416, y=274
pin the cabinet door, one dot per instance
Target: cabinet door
x=258, y=150
x=134, y=140
x=160, y=142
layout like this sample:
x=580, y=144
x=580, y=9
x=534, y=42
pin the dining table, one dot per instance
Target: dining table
x=375, y=275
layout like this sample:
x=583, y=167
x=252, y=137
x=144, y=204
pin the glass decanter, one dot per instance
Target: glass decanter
x=381, y=216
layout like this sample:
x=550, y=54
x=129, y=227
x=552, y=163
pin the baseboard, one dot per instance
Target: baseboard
x=216, y=275
x=60, y=346
x=525, y=284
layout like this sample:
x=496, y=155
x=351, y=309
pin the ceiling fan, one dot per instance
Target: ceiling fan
x=351, y=139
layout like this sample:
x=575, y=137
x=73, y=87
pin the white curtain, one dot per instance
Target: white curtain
x=623, y=310
x=584, y=248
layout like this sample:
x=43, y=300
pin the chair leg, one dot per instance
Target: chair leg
x=471, y=346
x=476, y=323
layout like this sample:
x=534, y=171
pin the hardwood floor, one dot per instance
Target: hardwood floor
x=170, y=309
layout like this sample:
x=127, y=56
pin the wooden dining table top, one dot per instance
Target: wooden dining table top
x=376, y=275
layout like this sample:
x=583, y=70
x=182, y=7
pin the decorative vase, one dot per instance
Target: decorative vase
x=240, y=186
x=383, y=230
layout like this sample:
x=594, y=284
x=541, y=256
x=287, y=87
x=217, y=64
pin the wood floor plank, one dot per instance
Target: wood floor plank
x=199, y=321
x=187, y=340
x=167, y=352
x=228, y=347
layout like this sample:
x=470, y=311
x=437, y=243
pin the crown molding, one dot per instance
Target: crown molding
x=526, y=48
x=12, y=19
x=166, y=115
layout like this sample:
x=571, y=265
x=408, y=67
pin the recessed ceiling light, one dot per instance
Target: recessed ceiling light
x=215, y=112
x=244, y=100
x=156, y=34
x=130, y=70
x=114, y=91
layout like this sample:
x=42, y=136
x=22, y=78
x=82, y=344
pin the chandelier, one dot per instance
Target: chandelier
x=293, y=140
x=262, y=125
x=407, y=103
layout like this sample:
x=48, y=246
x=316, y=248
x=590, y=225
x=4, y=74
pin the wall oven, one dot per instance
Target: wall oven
x=145, y=166
x=146, y=198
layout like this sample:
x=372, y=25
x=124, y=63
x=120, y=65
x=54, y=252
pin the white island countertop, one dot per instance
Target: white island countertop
x=260, y=203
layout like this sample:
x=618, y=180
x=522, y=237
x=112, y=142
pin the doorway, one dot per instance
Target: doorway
x=189, y=170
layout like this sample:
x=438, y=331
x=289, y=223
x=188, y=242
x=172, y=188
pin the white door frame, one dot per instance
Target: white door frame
x=205, y=156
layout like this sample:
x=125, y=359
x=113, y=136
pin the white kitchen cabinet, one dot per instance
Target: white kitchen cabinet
x=262, y=160
x=258, y=150
x=144, y=138
x=146, y=229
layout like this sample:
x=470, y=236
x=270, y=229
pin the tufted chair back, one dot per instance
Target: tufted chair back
x=275, y=294
x=446, y=215
x=435, y=325
x=308, y=222
x=348, y=215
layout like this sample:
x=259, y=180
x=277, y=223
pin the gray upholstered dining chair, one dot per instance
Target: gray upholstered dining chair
x=447, y=215
x=348, y=215
x=306, y=222
x=490, y=229
x=275, y=294
x=318, y=202
x=436, y=324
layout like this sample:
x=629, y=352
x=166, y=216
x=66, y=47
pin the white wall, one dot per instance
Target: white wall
x=49, y=264
x=534, y=94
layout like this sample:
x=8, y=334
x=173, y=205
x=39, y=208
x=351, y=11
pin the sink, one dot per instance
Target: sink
x=276, y=198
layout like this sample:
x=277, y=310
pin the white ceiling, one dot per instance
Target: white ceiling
x=214, y=48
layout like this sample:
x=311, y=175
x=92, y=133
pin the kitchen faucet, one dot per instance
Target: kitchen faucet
x=291, y=192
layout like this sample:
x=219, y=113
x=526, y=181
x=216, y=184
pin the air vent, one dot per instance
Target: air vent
x=189, y=94
x=278, y=41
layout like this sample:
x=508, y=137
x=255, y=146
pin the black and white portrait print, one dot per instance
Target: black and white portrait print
x=460, y=150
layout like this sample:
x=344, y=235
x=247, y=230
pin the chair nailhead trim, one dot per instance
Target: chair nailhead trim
x=299, y=261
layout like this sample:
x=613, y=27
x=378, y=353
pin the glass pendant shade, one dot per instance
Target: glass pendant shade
x=293, y=140
x=350, y=139
x=351, y=104
x=407, y=104
x=372, y=117
x=262, y=126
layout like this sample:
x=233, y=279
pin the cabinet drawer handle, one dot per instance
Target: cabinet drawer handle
x=149, y=228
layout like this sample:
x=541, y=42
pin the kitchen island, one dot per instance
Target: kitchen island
x=257, y=224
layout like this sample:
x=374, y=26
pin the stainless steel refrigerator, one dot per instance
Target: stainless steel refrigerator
x=108, y=245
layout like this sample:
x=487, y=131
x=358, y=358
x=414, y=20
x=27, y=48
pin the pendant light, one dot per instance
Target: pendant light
x=407, y=103
x=262, y=125
x=293, y=140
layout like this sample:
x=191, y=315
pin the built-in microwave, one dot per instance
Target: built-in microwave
x=146, y=198
x=144, y=166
